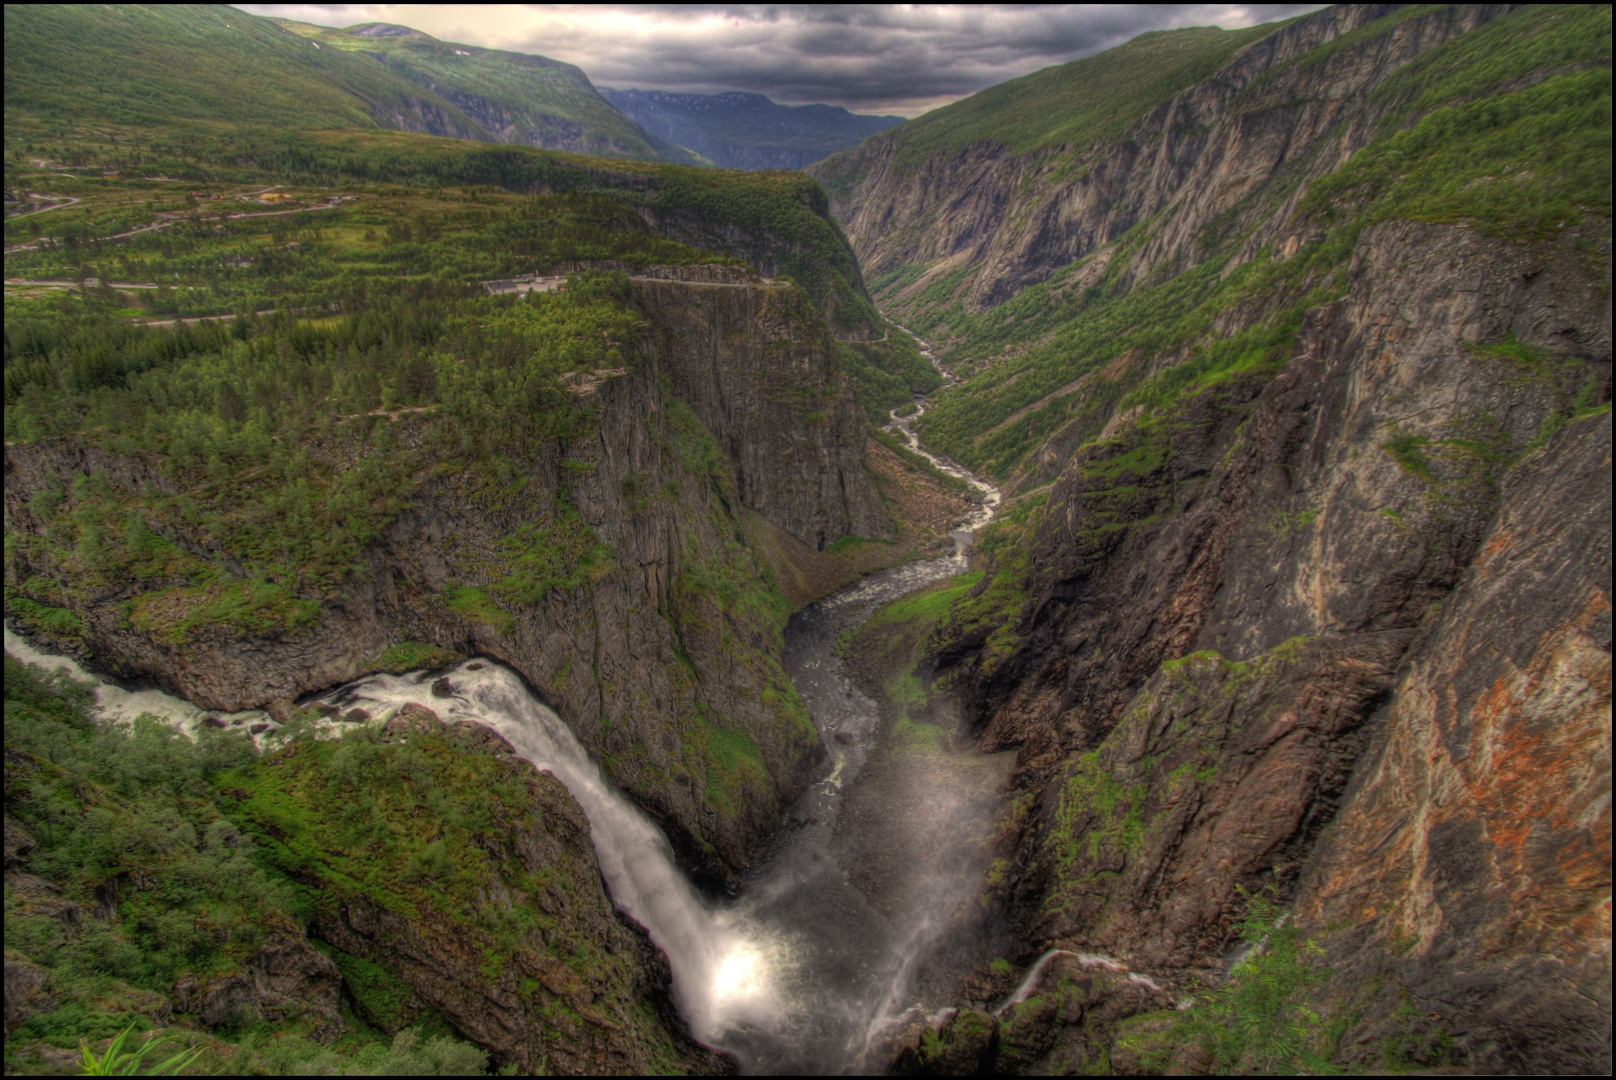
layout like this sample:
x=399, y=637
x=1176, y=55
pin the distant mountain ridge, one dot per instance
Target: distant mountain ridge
x=748, y=131
x=145, y=65
x=514, y=97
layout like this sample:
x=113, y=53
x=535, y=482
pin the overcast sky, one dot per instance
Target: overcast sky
x=899, y=59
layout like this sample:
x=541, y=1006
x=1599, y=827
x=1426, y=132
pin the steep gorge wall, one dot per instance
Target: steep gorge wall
x=1338, y=624
x=1010, y=220
x=1373, y=549
x=1364, y=550
x=666, y=666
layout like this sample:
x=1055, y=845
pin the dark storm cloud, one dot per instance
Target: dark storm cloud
x=871, y=58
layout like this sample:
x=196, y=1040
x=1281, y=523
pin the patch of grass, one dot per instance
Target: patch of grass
x=381, y=997
x=560, y=553
x=54, y=622
x=1260, y=1020
x=734, y=765
x=1408, y=451
x=1096, y=807
x=476, y=605
x=414, y=656
x=248, y=608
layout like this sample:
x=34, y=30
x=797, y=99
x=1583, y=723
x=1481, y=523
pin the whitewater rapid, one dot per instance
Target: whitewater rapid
x=123, y=704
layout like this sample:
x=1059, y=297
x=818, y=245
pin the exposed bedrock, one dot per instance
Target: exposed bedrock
x=1014, y=219
x=1373, y=591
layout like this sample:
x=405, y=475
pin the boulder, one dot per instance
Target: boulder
x=18, y=844
x=412, y=719
x=480, y=737
x=26, y=983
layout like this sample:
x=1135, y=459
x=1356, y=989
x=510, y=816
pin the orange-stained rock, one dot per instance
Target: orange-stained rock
x=1476, y=849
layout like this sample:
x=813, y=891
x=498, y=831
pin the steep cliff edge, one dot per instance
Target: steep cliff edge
x=613, y=571
x=1305, y=564
x=1307, y=410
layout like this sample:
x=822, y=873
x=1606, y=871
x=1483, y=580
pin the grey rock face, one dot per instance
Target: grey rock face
x=1343, y=629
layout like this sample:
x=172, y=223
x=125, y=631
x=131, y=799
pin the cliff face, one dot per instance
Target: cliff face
x=1007, y=220
x=1331, y=620
x=760, y=371
x=575, y=985
x=1475, y=845
x=668, y=653
x=1374, y=549
x=443, y=879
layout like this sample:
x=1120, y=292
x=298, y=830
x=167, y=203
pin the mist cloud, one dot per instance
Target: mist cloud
x=870, y=58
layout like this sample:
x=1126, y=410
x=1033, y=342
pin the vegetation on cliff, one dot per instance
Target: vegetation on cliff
x=334, y=361
x=1071, y=105
x=151, y=65
x=263, y=398
x=1507, y=127
x=1298, y=358
x=129, y=874
x=280, y=438
x=204, y=888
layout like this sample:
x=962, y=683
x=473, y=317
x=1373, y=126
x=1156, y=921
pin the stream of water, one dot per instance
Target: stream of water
x=800, y=973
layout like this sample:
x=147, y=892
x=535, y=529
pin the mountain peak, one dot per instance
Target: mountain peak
x=386, y=30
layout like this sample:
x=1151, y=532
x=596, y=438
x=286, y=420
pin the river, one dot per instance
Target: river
x=810, y=964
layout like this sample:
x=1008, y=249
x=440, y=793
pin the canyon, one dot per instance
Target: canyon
x=1241, y=598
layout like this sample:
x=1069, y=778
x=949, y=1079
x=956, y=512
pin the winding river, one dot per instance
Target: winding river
x=801, y=973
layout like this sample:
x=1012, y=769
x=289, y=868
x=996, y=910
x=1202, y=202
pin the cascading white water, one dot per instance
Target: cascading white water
x=122, y=705
x=723, y=969
x=990, y=495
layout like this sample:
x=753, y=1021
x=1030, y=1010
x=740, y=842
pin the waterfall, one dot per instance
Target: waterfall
x=799, y=974
x=723, y=975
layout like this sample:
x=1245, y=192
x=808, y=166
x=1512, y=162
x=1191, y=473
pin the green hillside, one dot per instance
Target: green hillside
x=1525, y=96
x=1075, y=104
x=515, y=97
x=159, y=66
x=152, y=65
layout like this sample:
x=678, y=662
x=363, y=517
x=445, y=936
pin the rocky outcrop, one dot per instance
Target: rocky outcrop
x=284, y=979
x=1474, y=850
x=734, y=410
x=1347, y=495
x=26, y=990
x=764, y=376
x=1335, y=627
x=1082, y=1017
